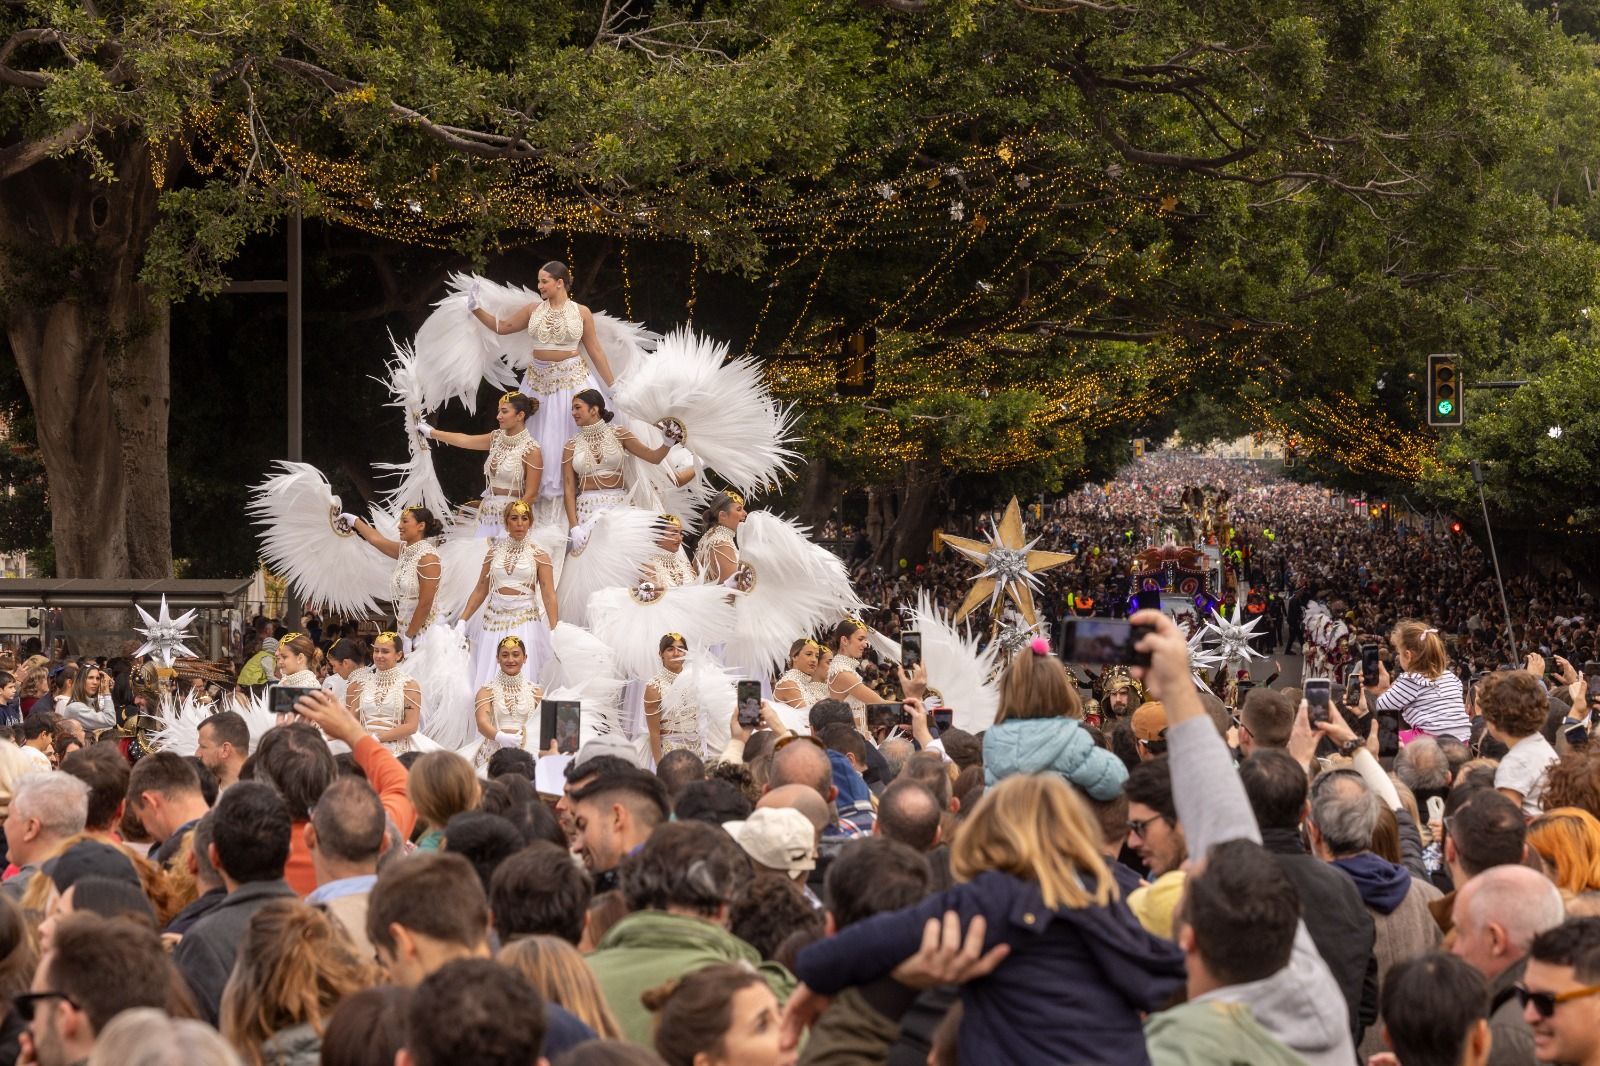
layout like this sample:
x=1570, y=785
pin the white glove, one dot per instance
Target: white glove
x=577, y=537
x=349, y=519
x=472, y=297
x=405, y=644
x=460, y=628
x=508, y=740
x=425, y=429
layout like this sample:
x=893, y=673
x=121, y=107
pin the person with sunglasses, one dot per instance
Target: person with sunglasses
x=1560, y=993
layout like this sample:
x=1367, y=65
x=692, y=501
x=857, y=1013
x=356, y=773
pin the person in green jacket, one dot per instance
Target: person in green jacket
x=678, y=886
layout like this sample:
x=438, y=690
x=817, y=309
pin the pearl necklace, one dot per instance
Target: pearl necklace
x=384, y=681
x=513, y=554
x=506, y=446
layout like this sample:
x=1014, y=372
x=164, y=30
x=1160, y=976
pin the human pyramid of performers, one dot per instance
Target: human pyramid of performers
x=567, y=582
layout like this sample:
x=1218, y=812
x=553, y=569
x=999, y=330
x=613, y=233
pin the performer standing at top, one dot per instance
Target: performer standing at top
x=717, y=555
x=417, y=570
x=592, y=462
x=515, y=466
x=557, y=324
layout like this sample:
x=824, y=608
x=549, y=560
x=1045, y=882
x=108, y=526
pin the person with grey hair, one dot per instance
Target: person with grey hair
x=895, y=752
x=46, y=809
x=149, y=1037
x=1422, y=767
x=1497, y=914
x=1343, y=815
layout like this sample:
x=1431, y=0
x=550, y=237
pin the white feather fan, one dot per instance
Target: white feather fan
x=632, y=628
x=296, y=508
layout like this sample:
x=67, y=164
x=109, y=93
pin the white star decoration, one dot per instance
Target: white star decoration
x=164, y=636
x=1232, y=639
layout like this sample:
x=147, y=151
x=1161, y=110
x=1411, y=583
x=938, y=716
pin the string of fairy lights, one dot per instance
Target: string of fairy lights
x=994, y=195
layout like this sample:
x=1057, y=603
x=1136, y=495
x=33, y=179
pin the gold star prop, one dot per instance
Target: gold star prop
x=1009, y=565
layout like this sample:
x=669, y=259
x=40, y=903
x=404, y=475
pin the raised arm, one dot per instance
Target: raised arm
x=364, y=530
x=515, y=324
x=591, y=344
x=476, y=442
x=635, y=446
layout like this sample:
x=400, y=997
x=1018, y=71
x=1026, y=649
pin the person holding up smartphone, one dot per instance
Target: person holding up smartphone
x=1426, y=695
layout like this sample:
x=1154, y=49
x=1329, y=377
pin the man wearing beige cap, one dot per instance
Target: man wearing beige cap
x=778, y=840
x=1150, y=730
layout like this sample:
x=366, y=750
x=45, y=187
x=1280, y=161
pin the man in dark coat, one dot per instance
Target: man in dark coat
x=250, y=833
x=1339, y=923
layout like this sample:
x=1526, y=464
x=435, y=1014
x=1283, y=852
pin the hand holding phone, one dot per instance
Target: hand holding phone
x=281, y=699
x=1318, y=692
x=1369, y=665
x=559, y=722
x=910, y=650
x=1106, y=641
x=749, y=696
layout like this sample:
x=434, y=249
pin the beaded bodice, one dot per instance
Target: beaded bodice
x=810, y=691
x=507, y=452
x=556, y=329
x=710, y=540
x=668, y=570
x=515, y=564
x=300, y=679
x=597, y=451
x=515, y=701
x=383, y=698
x=405, y=586
x=679, y=715
x=844, y=664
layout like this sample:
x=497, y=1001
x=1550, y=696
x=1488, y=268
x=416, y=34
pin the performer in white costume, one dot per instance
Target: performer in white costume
x=848, y=641
x=796, y=688
x=592, y=463
x=515, y=464
x=557, y=325
x=387, y=700
x=508, y=706
x=674, y=725
x=716, y=557
x=518, y=596
x=669, y=568
x=417, y=570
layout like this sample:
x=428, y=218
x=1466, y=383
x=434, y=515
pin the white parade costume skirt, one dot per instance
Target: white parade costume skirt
x=508, y=616
x=554, y=385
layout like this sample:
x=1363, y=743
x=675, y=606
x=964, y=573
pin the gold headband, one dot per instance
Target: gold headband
x=677, y=638
x=813, y=644
x=512, y=639
x=388, y=636
x=410, y=507
x=853, y=620
x=734, y=496
x=508, y=396
x=290, y=638
x=671, y=520
x=519, y=507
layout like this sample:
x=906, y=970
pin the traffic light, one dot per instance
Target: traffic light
x=1444, y=391
x=1455, y=528
x=856, y=365
x=1138, y=447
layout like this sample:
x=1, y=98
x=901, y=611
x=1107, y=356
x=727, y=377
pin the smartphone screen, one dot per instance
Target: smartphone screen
x=943, y=718
x=910, y=650
x=1318, y=692
x=558, y=722
x=749, y=703
x=1591, y=669
x=1104, y=641
x=1369, y=664
x=283, y=698
x=886, y=716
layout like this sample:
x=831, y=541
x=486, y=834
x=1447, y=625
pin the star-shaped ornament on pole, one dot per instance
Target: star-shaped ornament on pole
x=1010, y=566
x=164, y=635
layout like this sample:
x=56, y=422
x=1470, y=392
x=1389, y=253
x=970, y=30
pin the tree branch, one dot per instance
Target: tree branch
x=16, y=158
x=468, y=142
x=26, y=79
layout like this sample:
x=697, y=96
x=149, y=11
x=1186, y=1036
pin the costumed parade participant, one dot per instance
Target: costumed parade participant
x=672, y=725
x=515, y=465
x=517, y=594
x=848, y=642
x=415, y=582
x=298, y=660
x=668, y=567
x=716, y=557
x=592, y=463
x=507, y=708
x=386, y=700
x=797, y=688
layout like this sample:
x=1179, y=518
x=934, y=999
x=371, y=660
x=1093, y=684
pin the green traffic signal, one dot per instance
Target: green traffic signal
x=1445, y=407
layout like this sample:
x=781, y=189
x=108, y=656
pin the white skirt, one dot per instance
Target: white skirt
x=508, y=616
x=592, y=503
x=554, y=385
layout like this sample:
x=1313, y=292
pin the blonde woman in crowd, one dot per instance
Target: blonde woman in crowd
x=559, y=973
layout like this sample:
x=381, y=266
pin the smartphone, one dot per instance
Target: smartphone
x=886, y=716
x=749, y=704
x=943, y=718
x=1591, y=688
x=1352, y=692
x=1369, y=664
x=910, y=650
x=558, y=721
x=283, y=697
x=1591, y=669
x=1318, y=692
x=1104, y=641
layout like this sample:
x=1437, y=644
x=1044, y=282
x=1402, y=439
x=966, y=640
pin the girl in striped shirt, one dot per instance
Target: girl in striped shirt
x=1427, y=696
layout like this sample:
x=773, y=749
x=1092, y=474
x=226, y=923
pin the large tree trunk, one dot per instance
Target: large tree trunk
x=819, y=494
x=910, y=532
x=91, y=342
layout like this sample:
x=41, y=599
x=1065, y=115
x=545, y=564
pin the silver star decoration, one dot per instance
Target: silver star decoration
x=164, y=636
x=1232, y=638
